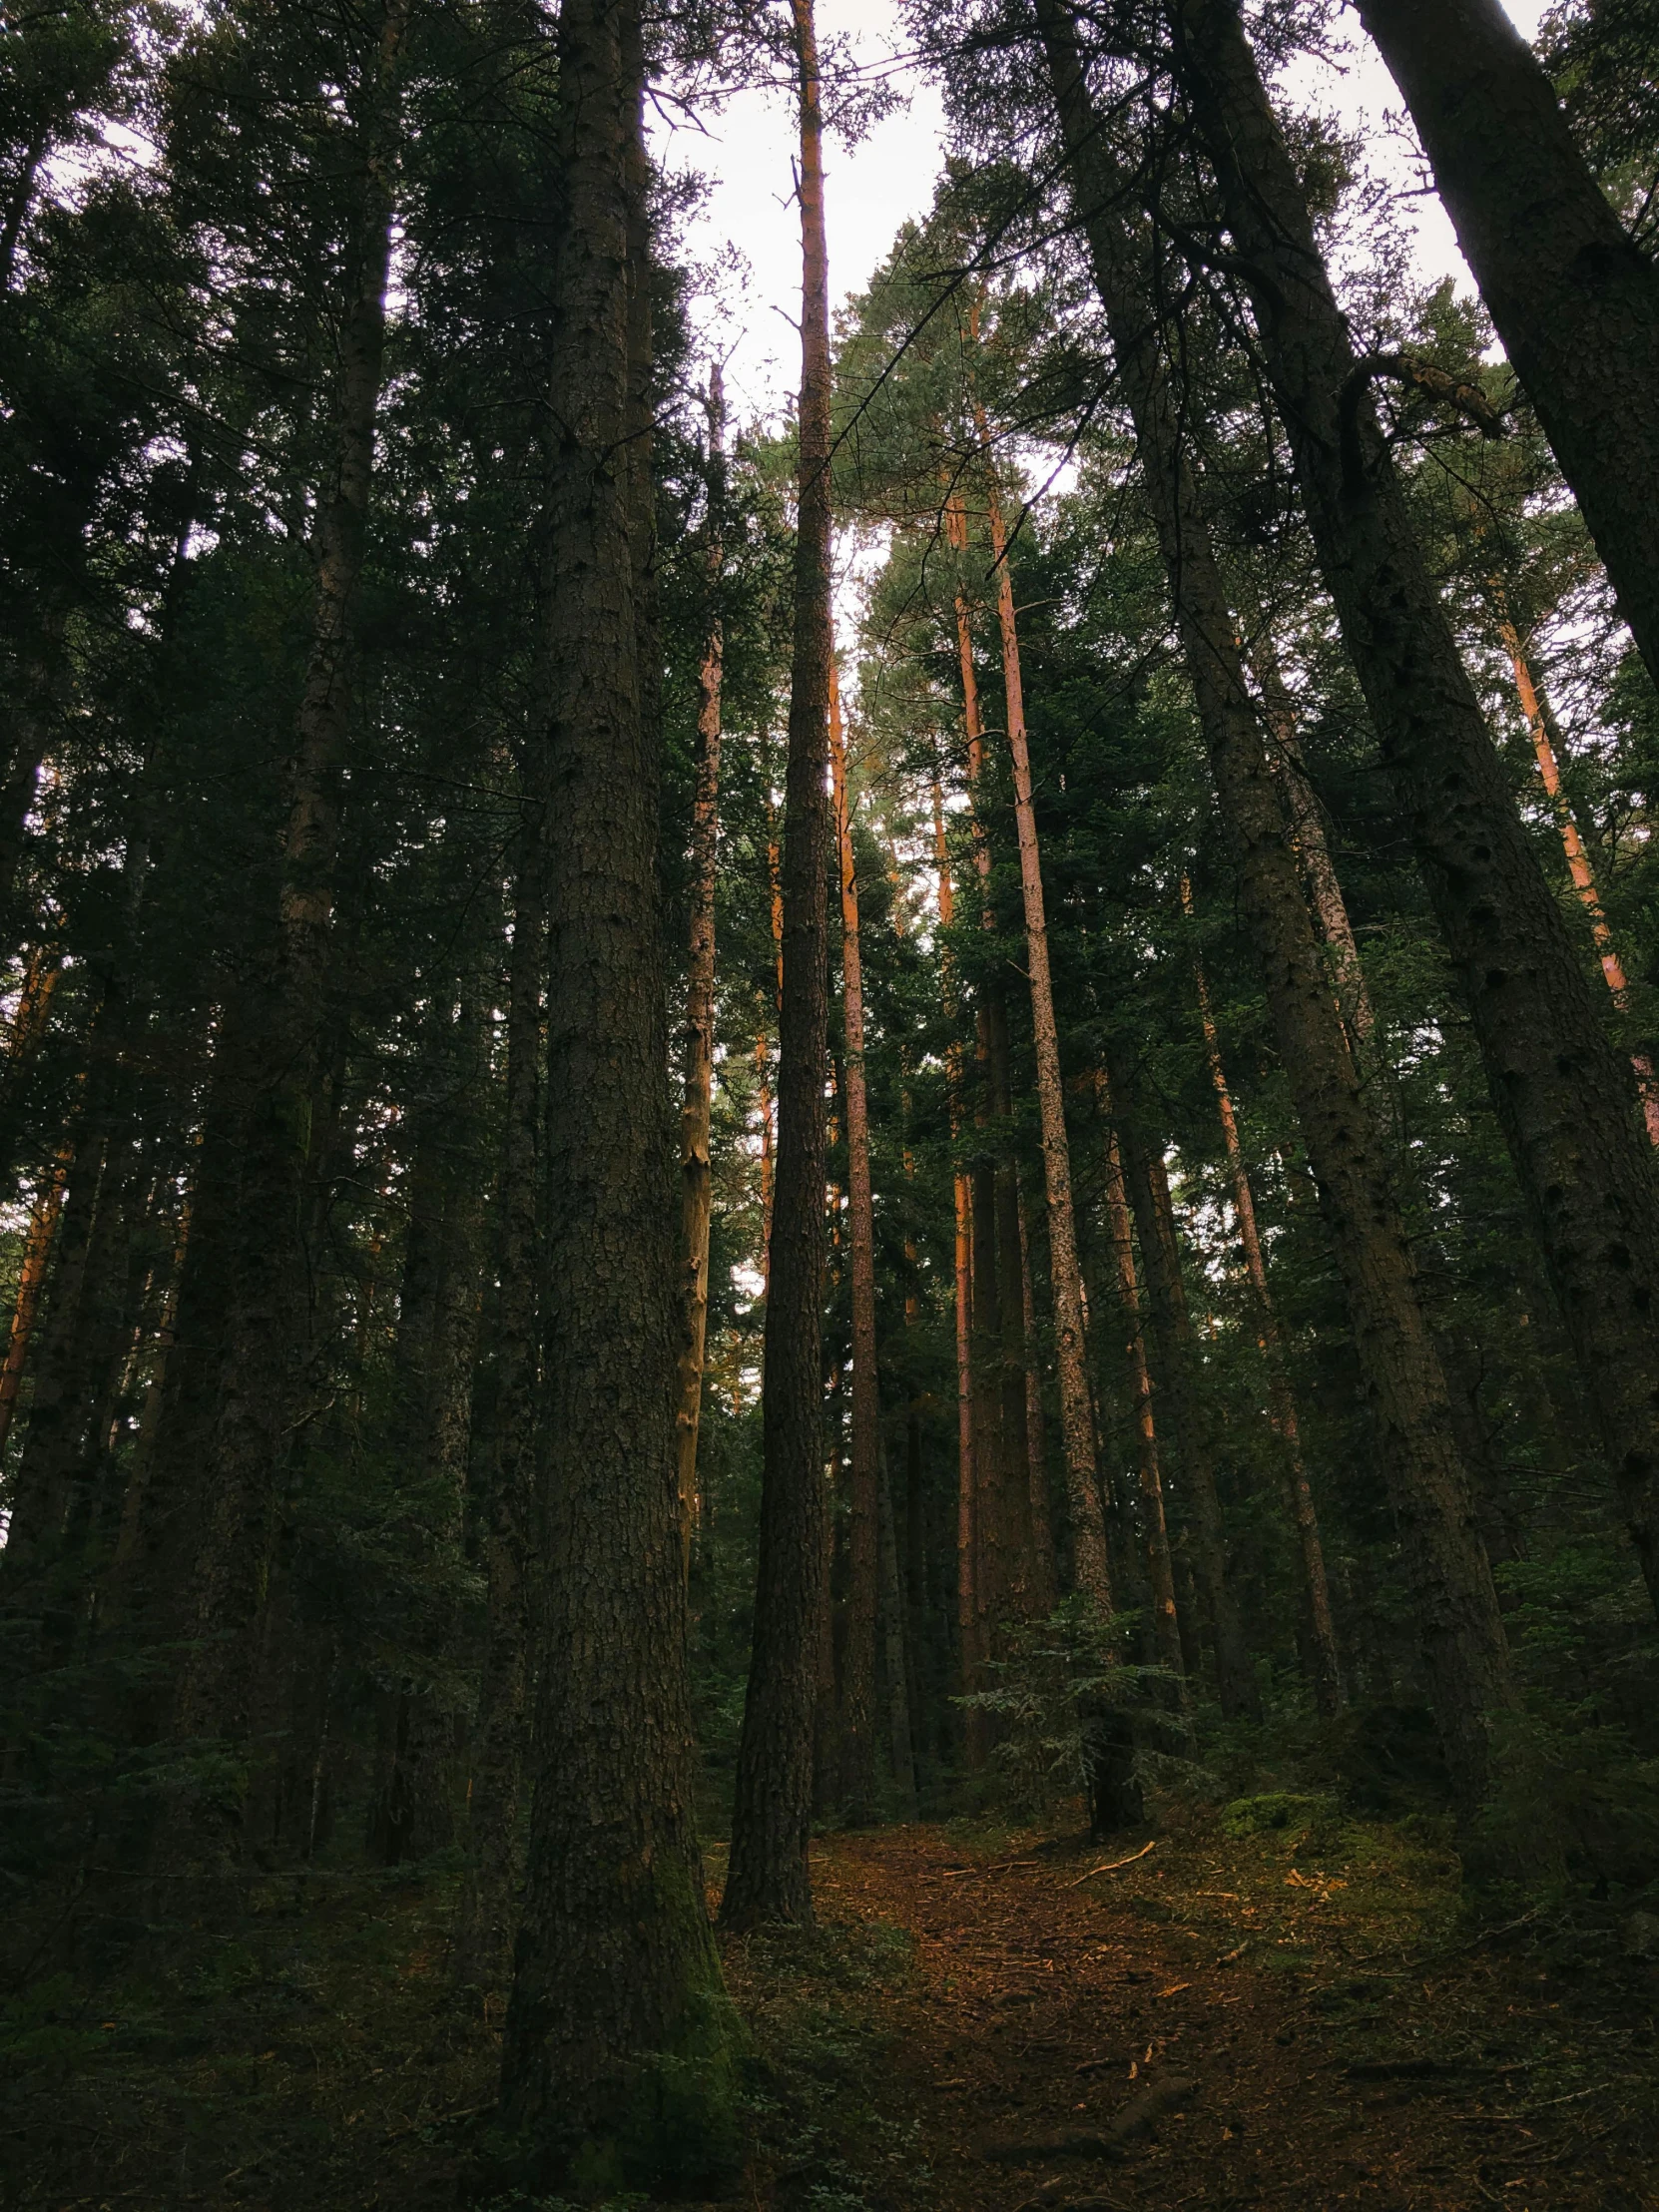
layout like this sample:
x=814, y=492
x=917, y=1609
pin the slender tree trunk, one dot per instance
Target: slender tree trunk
x=616, y=2056
x=1299, y=1494
x=1452, y=1581
x=1574, y=297
x=772, y=1818
x=1065, y=1273
x=31, y=1281
x=698, y=1081
x=858, y=1702
x=1563, y=1100
x=1045, y=1580
x=900, y=1747
x=266, y=1377
x=1578, y=860
x=1160, y=1567
x=484, y=1931
x=1176, y=1365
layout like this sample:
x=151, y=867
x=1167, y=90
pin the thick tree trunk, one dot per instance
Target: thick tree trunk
x=616, y=2066
x=858, y=1703
x=1574, y=297
x=1090, y=1568
x=1452, y=1581
x=698, y=1064
x=1175, y=1352
x=266, y=1376
x=772, y=1817
x=1564, y=1099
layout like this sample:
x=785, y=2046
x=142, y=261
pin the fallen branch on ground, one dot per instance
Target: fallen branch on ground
x=1112, y=1865
x=1136, y=2118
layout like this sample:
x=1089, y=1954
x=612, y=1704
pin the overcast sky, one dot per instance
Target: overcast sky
x=871, y=188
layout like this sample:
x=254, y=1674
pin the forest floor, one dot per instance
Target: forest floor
x=1292, y=2016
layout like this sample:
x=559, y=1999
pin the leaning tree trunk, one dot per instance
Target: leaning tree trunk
x=616, y=2068
x=858, y=1701
x=698, y=1066
x=1562, y=1096
x=1456, y=1603
x=1574, y=297
x=265, y=1367
x=772, y=1815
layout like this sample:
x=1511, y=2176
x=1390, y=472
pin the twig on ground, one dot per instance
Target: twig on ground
x=1112, y=1865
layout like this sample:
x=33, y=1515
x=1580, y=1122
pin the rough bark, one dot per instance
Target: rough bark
x=1045, y=1580
x=1456, y=1604
x=616, y=2060
x=772, y=1818
x=1563, y=1098
x=698, y=1060
x=1574, y=297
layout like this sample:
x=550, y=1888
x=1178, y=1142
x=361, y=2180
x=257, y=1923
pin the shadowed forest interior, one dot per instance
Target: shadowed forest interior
x=830, y=1239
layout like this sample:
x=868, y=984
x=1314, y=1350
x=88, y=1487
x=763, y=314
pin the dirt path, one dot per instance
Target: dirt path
x=1334, y=2058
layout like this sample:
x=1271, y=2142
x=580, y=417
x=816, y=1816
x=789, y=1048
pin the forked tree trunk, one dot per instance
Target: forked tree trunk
x=1564, y=1099
x=858, y=1700
x=1574, y=297
x=768, y=1878
x=1451, y=1582
x=616, y=2060
x=698, y=1079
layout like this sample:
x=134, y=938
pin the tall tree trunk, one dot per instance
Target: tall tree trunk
x=1578, y=860
x=1090, y=1568
x=1160, y=1567
x=1045, y=1580
x=858, y=1704
x=961, y=1255
x=485, y=1926
x=698, y=1079
x=1299, y=1494
x=31, y=1281
x=1574, y=297
x=1562, y=1097
x=1456, y=1603
x=771, y=1816
x=615, y=2065
x=1175, y=1353
x=266, y=1376
x=900, y=1747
